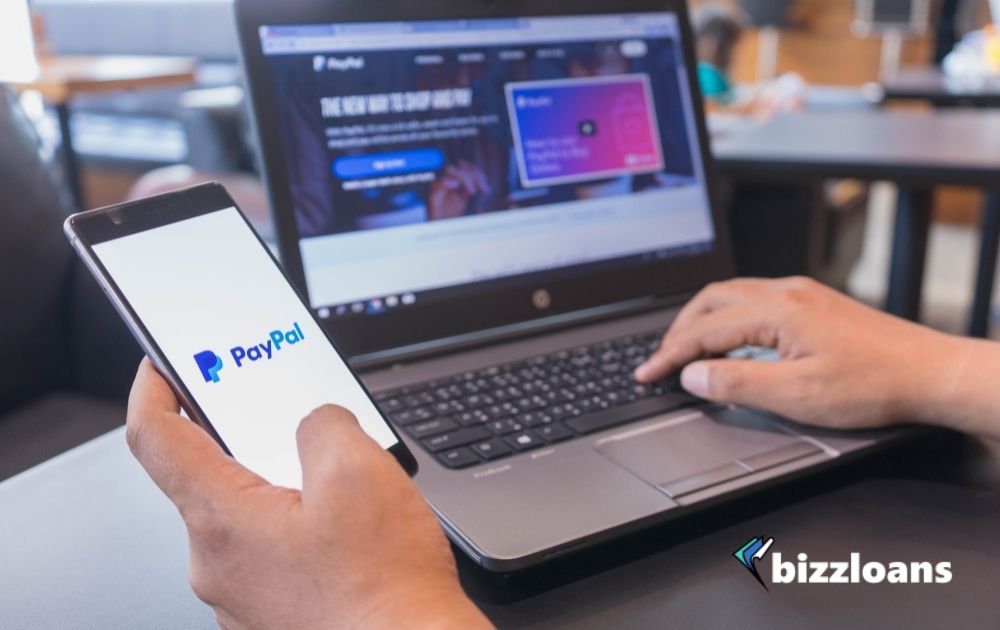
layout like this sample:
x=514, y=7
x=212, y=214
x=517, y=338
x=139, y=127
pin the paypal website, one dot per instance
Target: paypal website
x=424, y=156
x=244, y=345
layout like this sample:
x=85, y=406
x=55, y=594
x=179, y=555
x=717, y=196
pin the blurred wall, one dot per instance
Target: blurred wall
x=197, y=28
x=819, y=45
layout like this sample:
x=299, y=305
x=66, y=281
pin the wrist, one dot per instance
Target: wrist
x=951, y=382
x=423, y=604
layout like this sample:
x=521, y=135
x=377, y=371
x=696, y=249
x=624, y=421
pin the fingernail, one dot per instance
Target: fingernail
x=694, y=378
x=642, y=372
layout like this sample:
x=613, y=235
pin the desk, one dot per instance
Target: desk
x=915, y=150
x=87, y=541
x=928, y=83
x=61, y=78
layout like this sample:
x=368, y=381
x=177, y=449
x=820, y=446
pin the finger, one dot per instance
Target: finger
x=468, y=181
x=484, y=184
x=759, y=384
x=451, y=182
x=180, y=457
x=455, y=182
x=717, y=296
x=477, y=176
x=753, y=323
x=331, y=446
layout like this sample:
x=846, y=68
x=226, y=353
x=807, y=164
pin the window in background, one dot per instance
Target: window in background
x=17, y=50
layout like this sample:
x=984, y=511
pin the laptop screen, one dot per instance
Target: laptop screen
x=431, y=160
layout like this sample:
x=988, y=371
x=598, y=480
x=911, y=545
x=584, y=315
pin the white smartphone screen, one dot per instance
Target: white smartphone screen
x=239, y=338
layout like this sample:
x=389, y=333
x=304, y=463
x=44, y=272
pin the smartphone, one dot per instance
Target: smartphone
x=216, y=314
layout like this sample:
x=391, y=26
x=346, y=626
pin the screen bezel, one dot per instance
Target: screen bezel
x=113, y=222
x=510, y=301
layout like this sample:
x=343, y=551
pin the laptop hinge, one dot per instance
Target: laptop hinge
x=509, y=332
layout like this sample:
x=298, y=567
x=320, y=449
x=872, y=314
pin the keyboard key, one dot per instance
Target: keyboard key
x=458, y=458
x=431, y=427
x=475, y=401
x=447, y=407
x=417, y=400
x=491, y=449
x=457, y=438
x=441, y=408
x=505, y=426
x=534, y=418
x=403, y=418
x=523, y=441
x=390, y=405
x=615, y=397
x=554, y=432
x=469, y=418
x=565, y=410
x=502, y=410
x=592, y=404
x=536, y=401
x=589, y=423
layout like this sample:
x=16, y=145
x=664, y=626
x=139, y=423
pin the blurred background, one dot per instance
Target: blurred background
x=107, y=100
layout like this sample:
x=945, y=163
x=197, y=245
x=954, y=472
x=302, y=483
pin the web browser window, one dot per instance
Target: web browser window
x=238, y=337
x=426, y=159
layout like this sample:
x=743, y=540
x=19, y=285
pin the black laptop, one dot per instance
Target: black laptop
x=497, y=208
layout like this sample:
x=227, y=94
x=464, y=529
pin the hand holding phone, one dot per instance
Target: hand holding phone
x=208, y=302
x=301, y=559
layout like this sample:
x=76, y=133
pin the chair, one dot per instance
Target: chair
x=66, y=360
x=768, y=16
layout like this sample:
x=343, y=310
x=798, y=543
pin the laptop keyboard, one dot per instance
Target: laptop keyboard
x=506, y=409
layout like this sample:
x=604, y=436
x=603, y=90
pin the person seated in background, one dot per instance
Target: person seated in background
x=358, y=546
x=718, y=29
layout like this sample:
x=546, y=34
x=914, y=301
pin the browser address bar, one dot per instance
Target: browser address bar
x=340, y=43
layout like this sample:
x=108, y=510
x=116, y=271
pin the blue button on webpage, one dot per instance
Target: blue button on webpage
x=392, y=163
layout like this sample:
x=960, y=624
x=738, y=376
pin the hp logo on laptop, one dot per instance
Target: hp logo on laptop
x=541, y=299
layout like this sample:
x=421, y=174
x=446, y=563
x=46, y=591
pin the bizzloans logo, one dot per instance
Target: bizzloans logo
x=806, y=571
x=210, y=363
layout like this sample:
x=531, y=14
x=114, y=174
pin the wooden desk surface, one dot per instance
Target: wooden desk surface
x=62, y=77
x=955, y=146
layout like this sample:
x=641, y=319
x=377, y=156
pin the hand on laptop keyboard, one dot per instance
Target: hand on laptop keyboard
x=515, y=407
x=843, y=364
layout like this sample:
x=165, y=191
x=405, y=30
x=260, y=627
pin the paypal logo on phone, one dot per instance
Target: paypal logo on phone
x=210, y=363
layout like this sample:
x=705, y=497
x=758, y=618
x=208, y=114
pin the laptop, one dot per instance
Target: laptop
x=497, y=208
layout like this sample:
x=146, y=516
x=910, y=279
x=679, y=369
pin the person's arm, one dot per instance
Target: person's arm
x=843, y=364
x=357, y=547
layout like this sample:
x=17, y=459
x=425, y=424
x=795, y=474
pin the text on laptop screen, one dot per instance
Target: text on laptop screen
x=428, y=159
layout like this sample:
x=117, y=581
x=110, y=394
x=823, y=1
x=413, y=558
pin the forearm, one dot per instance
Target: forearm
x=958, y=387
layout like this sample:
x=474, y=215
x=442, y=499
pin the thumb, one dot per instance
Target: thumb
x=180, y=457
x=332, y=446
x=761, y=384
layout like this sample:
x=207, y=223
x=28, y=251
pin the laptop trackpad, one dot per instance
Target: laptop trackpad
x=708, y=448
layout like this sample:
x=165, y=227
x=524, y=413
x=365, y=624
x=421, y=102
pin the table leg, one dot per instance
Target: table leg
x=71, y=166
x=909, y=249
x=989, y=240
